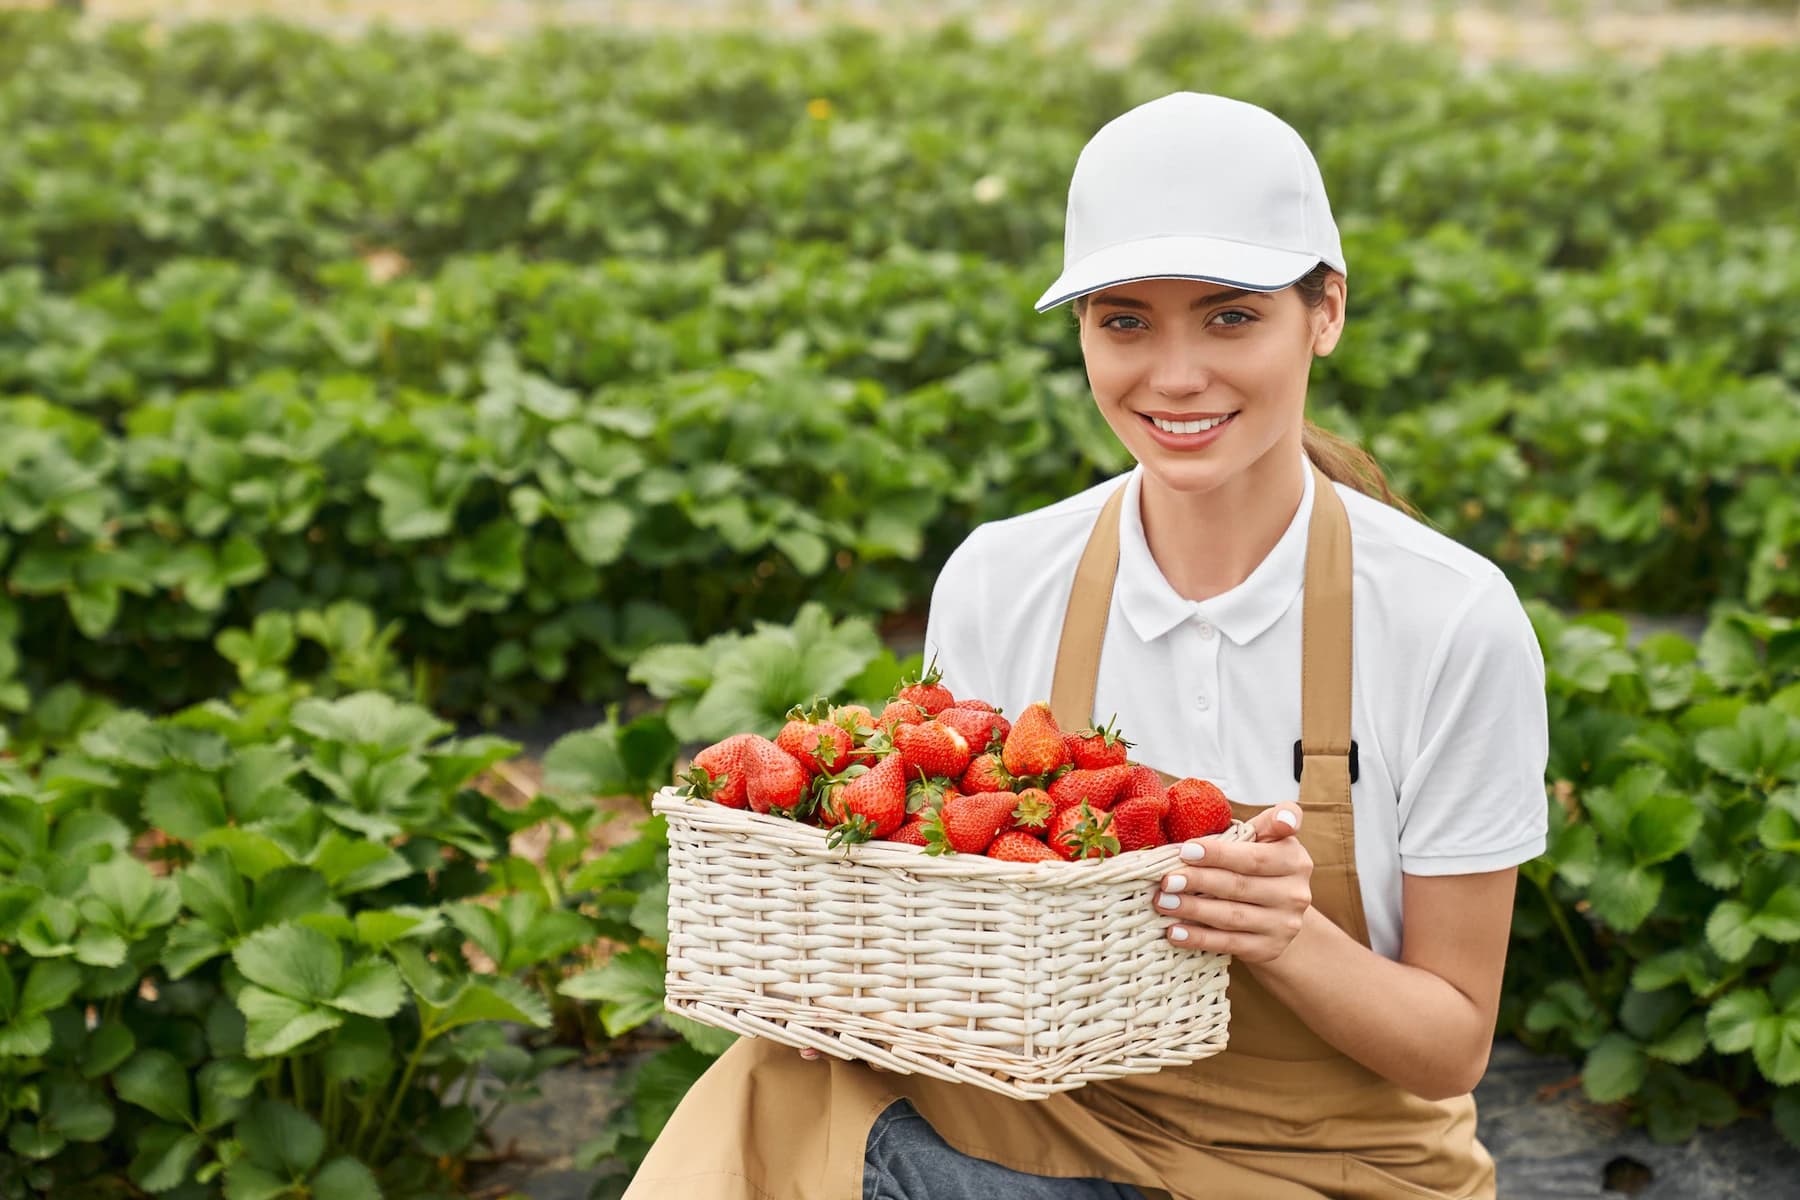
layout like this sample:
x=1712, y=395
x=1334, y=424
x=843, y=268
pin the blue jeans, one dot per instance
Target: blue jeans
x=907, y=1160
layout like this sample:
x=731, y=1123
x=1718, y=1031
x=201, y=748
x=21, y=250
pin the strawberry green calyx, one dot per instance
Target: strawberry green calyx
x=701, y=784
x=1034, y=809
x=851, y=831
x=818, y=710
x=1093, y=834
x=927, y=794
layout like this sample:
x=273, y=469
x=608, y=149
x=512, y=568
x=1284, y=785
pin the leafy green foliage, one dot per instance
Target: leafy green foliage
x=1662, y=919
x=289, y=320
x=242, y=942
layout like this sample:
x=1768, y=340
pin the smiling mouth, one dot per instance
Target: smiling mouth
x=1198, y=425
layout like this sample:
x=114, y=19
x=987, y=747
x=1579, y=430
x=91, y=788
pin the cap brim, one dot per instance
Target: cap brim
x=1210, y=260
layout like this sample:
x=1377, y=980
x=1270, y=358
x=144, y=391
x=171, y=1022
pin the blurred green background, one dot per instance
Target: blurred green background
x=374, y=386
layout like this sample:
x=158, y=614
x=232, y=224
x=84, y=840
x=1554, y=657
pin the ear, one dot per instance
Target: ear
x=1328, y=318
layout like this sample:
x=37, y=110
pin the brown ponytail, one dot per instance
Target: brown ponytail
x=1342, y=460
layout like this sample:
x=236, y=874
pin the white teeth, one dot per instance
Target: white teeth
x=1189, y=426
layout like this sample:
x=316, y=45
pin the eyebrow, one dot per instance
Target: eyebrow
x=1202, y=302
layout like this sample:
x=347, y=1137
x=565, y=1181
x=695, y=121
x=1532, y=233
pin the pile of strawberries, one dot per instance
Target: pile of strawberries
x=955, y=776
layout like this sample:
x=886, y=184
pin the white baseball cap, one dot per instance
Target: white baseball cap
x=1193, y=186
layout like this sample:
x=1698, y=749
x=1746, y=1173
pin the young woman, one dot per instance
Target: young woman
x=1257, y=610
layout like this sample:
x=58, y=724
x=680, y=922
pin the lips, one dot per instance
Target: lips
x=1188, y=432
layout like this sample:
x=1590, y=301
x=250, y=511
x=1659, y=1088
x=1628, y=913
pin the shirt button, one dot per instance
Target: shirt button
x=1204, y=702
x=1207, y=631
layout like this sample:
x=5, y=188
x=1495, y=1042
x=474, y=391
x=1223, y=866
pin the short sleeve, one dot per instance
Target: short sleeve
x=1472, y=798
x=953, y=628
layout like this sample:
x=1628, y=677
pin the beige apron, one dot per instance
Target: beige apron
x=1280, y=1115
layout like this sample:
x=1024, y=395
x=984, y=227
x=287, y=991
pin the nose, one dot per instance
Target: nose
x=1179, y=369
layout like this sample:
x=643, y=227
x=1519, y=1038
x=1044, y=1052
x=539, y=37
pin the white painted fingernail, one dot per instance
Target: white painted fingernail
x=1176, y=883
x=1192, y=852
x=1178, y=933
x=1288, y=818
x=1168, y=901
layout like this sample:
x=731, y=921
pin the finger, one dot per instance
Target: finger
x=1276, y=822
x=1225, y=915
x=1283, y=857
x=1219, y=941
x=1229, y=885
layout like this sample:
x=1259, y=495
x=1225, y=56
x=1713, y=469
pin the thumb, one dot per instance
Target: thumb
x=1276, y=822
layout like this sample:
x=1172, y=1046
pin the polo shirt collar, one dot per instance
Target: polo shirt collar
x=1153, y=607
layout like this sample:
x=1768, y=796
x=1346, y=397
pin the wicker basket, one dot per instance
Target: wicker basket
x=1024, y=978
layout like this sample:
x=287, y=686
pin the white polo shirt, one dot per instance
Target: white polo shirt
x=1448, y=707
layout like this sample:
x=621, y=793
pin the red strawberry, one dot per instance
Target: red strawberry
x=966, y=824
x=1143, y=781
x=985, y=774
x=912, y=833
x=719, y=772
x=1033, y=811
x=897, y=713
x=1095, y=748
x=1138, y=824
x=1097, y=788
x=872, y=805
x=1035, y=745
x=777, y=780
x=1196, y=809
x=980, y=705
x=931, y=749
x=927, y=692
x=977, y=725
x=821, y=747
x=1080, y=832
x=1020, y=847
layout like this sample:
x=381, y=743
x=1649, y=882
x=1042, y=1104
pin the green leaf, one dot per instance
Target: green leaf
x=660, y=1084
x=494, y=999
x=225, y=1086
x=361, y=1051
x=276, y=1024
x=1728, y=930
x=292, y=960
x=629, y=986
x=449, y=1131
x=1762, y=747
x=214, y=891
x=1614, y=1069
x=48, y=985
x=128, y=899
x=707, y=1039
x=33, y=1141
x=107, y=1046
x=154, y=1080
x=189, y=946
x=1624, y=894
x=185, y=804
x=345, y=1178
x=77, y=1110
x=281, y=1138
x=371, y=988
x=1731, y=1022
x=165, y=1153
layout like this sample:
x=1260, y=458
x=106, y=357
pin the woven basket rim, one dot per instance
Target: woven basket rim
x=810, y=840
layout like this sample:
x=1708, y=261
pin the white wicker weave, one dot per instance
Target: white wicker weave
x=1024, y=978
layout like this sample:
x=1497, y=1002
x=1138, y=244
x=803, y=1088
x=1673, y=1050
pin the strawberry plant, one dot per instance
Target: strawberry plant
x=1663, y=916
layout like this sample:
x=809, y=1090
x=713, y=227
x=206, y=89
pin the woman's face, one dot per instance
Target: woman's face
x=1163, y=354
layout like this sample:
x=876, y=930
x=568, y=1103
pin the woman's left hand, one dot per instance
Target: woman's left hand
x=1246, y=899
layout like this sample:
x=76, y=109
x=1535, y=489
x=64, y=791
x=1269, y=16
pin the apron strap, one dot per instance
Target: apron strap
x=1324, y=757
x=1084, y=623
